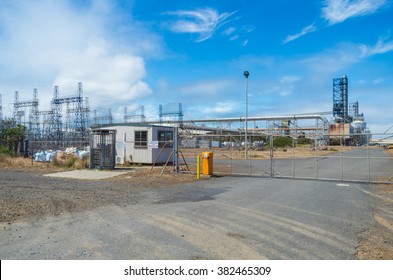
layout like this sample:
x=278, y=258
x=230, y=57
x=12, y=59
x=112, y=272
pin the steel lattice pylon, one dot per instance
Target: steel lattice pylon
x=48, y=129
x=179, y=114
x=20, y=108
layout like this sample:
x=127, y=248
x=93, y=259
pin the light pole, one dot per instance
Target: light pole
x=246, y=74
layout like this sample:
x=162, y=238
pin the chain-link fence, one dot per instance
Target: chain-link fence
x=360, y=157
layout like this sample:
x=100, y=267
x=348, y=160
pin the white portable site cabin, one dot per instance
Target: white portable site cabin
x=142, y=143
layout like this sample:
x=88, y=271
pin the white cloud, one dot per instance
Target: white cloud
x=334, y=60
x=289, y=79
x=336, y=11
x=241, y=33
x=118, y=76
x=285, y=85
x=221, y=107
x=380, y=47
x=204, y=22
x=248, y=28
x=306, y=30
x=378, y=81
x=56, y=43
x=229, y=31
x=345, y=55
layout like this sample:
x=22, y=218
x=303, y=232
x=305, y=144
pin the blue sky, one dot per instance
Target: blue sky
x=150, y=52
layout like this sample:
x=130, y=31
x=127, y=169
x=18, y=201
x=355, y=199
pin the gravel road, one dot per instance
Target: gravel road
x=31, y=194
x=140, y=215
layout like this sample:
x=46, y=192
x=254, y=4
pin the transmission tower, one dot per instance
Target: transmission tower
x=16, y=116
x=56, y=123
x=80, y=123
x=87, y=113
x=68, y=118
x=20, y=108
x=130, y=118
x=171, y=114
x=53, y=133
x=47, y=124
x=103, y=119
x=34, y=127
x=76, y=130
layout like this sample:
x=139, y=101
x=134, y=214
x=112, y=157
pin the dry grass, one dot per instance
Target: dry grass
x=15, y=162
x=389, y=151
x=68, y=162
x=302, y=151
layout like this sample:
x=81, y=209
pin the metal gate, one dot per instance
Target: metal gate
x=102, y=149
x=360, y=158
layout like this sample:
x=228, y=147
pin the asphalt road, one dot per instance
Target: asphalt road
x=221, y=218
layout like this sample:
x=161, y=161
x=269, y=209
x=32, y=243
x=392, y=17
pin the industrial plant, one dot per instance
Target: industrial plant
x=347, y=121
x=68, y=122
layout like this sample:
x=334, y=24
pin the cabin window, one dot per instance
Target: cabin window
x=141, y=139
x=165, y=139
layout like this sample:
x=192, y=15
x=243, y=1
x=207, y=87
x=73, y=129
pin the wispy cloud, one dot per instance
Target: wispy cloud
x=380, y=47
x=342, y=57
x=289, y=79
x=378, y=81
x=233, y=38
x=336, y=11
x=221, y=107
x=204, y=22
x=229, y=31
x=248, y=28
x=332, y=61
x=308, y=29
x=241, y=33
x=285, y=85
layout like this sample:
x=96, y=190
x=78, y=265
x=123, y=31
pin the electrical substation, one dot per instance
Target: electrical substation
x=67, y=123
x=330, y=145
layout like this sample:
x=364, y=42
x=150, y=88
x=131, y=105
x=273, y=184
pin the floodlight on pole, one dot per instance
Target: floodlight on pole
x=246, y=74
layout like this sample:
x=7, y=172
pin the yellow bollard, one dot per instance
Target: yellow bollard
x=207, y=163
x=198, y=173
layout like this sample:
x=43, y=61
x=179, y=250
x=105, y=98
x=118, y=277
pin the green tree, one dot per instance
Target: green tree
x=12, y=134
x=4, y=151
x=305, y=141
x=282, y=142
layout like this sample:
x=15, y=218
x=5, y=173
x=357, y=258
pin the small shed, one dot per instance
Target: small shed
x=142, y=143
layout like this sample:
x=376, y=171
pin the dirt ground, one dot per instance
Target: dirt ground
x=377, y=242
x=27, y=195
